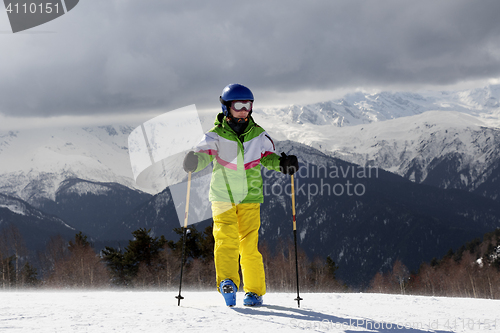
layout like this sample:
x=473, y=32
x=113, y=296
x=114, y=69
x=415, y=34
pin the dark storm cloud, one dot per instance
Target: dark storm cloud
x=126, y=56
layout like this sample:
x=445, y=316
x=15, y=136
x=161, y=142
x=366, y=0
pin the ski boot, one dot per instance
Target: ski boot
x=228, y=289
x=251, y=299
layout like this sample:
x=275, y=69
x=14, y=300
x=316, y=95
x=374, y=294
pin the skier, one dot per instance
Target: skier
x=238, y=147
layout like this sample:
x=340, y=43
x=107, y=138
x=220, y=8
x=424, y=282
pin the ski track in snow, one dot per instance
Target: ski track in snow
x=136, y=311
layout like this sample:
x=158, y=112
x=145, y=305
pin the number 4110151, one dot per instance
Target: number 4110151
x=33, y=8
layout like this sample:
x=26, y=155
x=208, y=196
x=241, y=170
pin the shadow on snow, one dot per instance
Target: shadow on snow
x=312, y=320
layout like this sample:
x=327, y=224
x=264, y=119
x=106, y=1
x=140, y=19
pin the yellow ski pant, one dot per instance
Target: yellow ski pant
x=236, y=233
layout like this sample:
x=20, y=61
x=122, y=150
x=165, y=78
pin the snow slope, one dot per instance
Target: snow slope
x=115, y=311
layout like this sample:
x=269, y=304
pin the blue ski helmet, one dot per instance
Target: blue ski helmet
x=234, y=92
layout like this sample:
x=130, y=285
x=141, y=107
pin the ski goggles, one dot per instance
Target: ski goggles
x=242, y=105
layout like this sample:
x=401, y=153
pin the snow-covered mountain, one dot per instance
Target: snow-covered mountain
x=35, y=226
x=446, y=139
x=387, y=217
x=92, y=207
x=410, y=134
x=364, y=108
x=35, y=162
x=417, y=147
x=384, y=217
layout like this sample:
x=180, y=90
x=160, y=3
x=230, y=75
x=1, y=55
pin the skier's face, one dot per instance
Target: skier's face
x=241, y=109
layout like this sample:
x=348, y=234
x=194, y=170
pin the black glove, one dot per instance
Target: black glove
x=190, y=162
x=289, y=164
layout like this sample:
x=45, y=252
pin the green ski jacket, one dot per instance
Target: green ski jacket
x=236, y=175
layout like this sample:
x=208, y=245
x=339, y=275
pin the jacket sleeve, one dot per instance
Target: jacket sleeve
x=206, y=150
x=270, y=159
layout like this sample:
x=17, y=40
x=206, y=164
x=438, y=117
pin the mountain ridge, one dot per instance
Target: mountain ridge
x=453, y=157
x=40, y=159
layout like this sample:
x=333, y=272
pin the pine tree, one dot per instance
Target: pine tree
x=115, y=261
x=80, y=241
x=142, y=255
x=143, y=248
x=29, y=276
x=331, y=267
x=194, y=240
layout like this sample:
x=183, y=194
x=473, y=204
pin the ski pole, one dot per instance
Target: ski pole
x=298, y=299
x=179, y=297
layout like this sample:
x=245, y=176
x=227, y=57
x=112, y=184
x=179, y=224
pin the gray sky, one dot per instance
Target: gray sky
x=119, y=57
